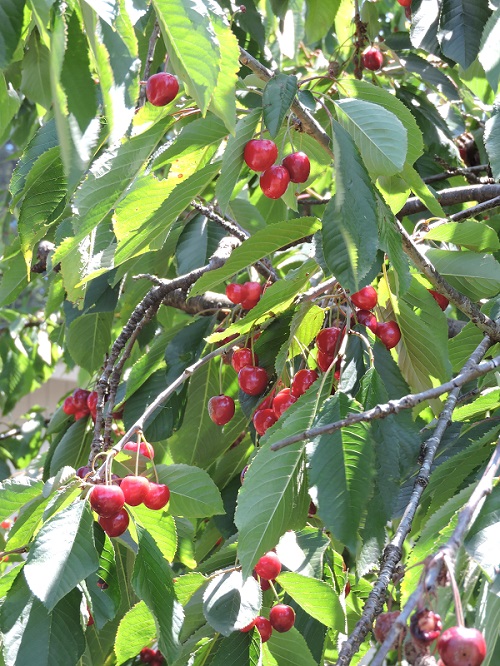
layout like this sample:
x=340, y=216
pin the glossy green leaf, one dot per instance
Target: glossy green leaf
x=160, y=526
x=259, y=245
x=472, y=235
x=16, y=492
x=289, y=649
x=28, y=521
x=475, y=275
x=492, y=143
x=192, y=492
x=461, y=28
x=95, y=330
x=187, y=585
x=62, y=554
x=415, y=182
x=73, y=447
x=350, y=233
x=231, y=602
x=277, y=98
x=462, y=345
x=192, y=45
x=316, y=597
x=319, y=18
x=11, y=22
x=223, y=102
x=136, y=630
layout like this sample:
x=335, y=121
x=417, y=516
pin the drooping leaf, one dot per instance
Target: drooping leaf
x=492, y=143
x=95, y=329
x=488, y=53
x=193, y=494
x=231, y=602
x=461, y=27
x=16, y=492
x=472, y=235
x=136, y=630
x=319, y=18
x=316, y=597
x=11, y=22
x=475, y=275
x=277, y=98
x=62, y=554
x=223, y=102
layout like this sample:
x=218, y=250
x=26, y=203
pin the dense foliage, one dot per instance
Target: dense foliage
x=123, y=224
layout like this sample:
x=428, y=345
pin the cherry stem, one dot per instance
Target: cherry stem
x=220, y=376
x=273, y=589
x=137, y=453
x=456, y=594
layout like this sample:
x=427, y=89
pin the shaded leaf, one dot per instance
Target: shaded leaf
x=192, y=492
x=289, y=649
x=484, y=534
x=16, y=492
x=492, y=143
x=231, y=602
x=489, y=55
x=461, y=27
x=475, y=275
x=277, y=98
x=89, y=338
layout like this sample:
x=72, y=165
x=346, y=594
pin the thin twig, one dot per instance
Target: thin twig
x=451, y=196
x=149, y=59
x=450, y=173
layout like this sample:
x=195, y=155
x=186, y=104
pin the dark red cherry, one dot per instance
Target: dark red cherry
x=372, y=58
x=368, y=319
x=260, y=154
x=462, y=646
x=221, y=409
x=264, y=419
x=92, y=404
x=106, y=500
x=235, y=292
x=146, y=655
x=82, y=472
x=441, y=300
x=264, y=628
x=69, y=406
x=327, y=340
x=324, y=361
x=302, y=381
x=269, y=566
x=135, y=489
x=282, y=401
x=298, y=166
x=425, y=626
x=162, y=88
x=282, y=617
x=389, y=333
x=252, y=380
x=116, y=525
x=365, y=299
x=243, y=357
x=157, y=497
x=274, y=182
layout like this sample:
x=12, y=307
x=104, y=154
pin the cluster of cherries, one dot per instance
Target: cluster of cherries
x=261, y=155
x=161, y=89
x=108, y=500
x=81, y=403
x=457, y=646
x=281, y=616
x=149, y=656
x=388, y=332
x=247, y=294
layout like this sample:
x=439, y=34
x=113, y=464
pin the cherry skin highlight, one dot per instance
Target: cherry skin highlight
x=269, y=566
x=302, y=381
x=282, y=401
x=372, y=58
x=145, y=449
x=221, y=409
x=365, y=299
x=282, y=617
x=298, y=166
x=327, y=340
x=252, y=380
x=243, y=357
x=274, y=182
x=161, y=89
x=157, y=497
x=235, y=292
x=106, y=500
x=368, y=319
x=260, y=154
x=389, y=333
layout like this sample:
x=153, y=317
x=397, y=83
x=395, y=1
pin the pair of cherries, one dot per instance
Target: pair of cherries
x=261, y=155
x=149, y=656
x=388, y=332
x=247, y=294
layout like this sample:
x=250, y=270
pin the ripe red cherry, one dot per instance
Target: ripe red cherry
x=365, y=299
x=145, y=449
x=282, y=401
x=243, y=357
x=157, y=497
x=235, y=292
x=372, y=58
x=248, y=627
x=368, y=319
x=425, y=626
x=462, y=646
x=441, y=300
x=260, y=154
x=302, y=381
x=389, y=333
x=264, y=627
x=221, y=409
x=135, y=489
x=327, y=340
x=264, y=419
x=146, y=655
x=162, y=88
x=252, y=380
x=107, y=500
x=282, y=617
x=253, y=290
x=269, y=566
x=274, y=182
x=324, y=361
x=92, y=404
x=82, y=472
x=69, y=406
x=116, y=525
x=404, y=3
x=298, y=166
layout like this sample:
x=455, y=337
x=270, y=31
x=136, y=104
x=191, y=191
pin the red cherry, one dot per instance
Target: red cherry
x=462, y=646
x=324, y=361
x=116, y=525
x=253, y=290
x=264, y=419
x=327, y=340
x=221, y=409
x=162, y=88
x=269, y=566
x=157, y=496
x=81, y=415
x=274, y=182
x=69, y=406
x=145, y=449
x=92, y=404
x=82, y=472
x=425, y=626
x=249, y=303
x=441, y=300
x=90, y=620
x=302, y=381
x=282, y=401
x=80, y=397
x=243, y=357
x=264, y=628
x=260, y=154
x=252, y=380
x=372, y=58
x=135, y=489
x=146, y=655
x=389, y=333
x=298, y=166
x=282, y=617
x=235, y=292
x=107, y=501
x=312, y=509
x=248, y=627
x=368, y=319
x=365, y=299
x=267, y=403
x=404, y=3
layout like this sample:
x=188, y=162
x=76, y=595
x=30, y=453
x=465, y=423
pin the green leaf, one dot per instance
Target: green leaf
x=341, y=467
x=306, y=324
x=27, y=522
x=136, y=630
x=391, y=242
x=192, y=45
x=431, y=74
x=472, y=235
x=277, y=98
x=31, y=635
x=487, y=620
x=105, y=603
x=415, y=182
x=233, y=650
x=35, y=83
x=475, y=275
x=484, y=534
x=160, y=526
x=289, y=649
x=489, y=55
x=231, y=602
x=187, y=585
x=232, y=160
x=16, y=492
x=461, y=27
x=9, y=104
x=259, y=245
x=89, y=338
x=223, y=102
x=62, y=554
x=14, y=278
x=152, y=582
x=462, y=345
x=350, y=231
x=303, y=551
x=11, y=22
x=492, y=143
x=320, y=17
x=380, y=136
x=44, y=139
x=317, y=598
x=193, y=494
x=487, y=402
x=73, y=447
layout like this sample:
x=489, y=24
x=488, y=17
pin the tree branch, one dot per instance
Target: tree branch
x=451, y=196
x=393, y=551
x=450, y=173
x=393, y=406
